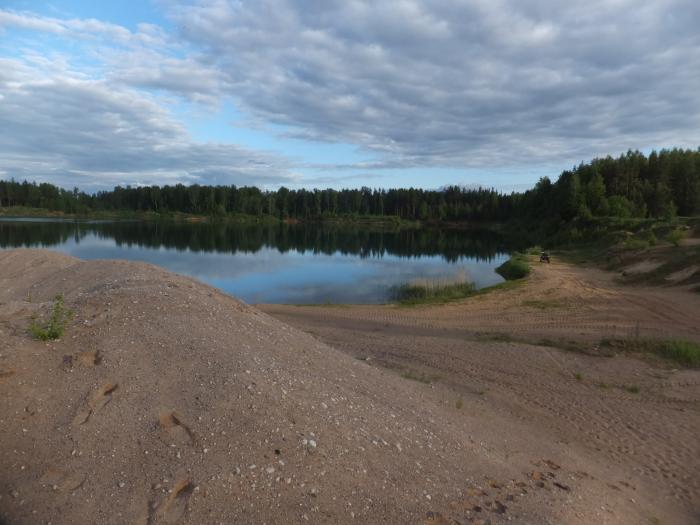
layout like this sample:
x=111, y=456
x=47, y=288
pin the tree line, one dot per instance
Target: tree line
x=662, y=184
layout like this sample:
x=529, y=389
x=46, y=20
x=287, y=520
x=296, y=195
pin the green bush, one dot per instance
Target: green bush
x=675, y=237
x=55, y=326
x=651, y=238
x=514, y=268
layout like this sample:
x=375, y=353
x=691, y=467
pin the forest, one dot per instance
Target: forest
x=663, y=184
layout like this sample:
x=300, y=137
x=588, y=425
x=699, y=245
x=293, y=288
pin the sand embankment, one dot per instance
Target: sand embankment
x=169, y=402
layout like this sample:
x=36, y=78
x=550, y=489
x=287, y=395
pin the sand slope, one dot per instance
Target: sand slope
x=169, y=402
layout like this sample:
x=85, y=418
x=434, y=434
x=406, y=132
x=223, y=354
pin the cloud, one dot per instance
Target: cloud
x=147, y=34
x=472, y=83
x=492, y=84
x=186, y=77
x=67, y=129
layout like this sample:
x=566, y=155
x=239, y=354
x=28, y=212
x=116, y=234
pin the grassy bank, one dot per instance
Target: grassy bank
x=517, y=267
x=591, y=239
x=431, y=292
x=643, y=251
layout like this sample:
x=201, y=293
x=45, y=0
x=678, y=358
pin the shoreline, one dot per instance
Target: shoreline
x=388, y=221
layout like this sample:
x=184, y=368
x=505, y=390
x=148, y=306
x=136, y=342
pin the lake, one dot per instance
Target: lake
x=279, y=263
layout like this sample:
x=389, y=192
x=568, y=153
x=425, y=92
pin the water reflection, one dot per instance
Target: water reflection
x=278, y=263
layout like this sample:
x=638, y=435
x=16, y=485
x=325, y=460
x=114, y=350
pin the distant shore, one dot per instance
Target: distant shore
x=389, y=221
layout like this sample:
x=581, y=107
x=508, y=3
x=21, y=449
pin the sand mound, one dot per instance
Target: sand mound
x=169, y=402
x=682, y=275
x=641, y=267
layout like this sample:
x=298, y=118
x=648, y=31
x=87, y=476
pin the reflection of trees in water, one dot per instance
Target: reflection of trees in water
x=250, y=238
x=39, y=234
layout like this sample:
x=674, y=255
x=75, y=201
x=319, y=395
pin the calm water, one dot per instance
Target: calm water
x=281, y=263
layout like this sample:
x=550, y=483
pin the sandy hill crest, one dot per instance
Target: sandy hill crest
x=169, y=402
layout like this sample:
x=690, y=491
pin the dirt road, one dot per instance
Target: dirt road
x=640, y=417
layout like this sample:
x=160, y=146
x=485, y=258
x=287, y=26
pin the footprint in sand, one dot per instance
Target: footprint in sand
x=85, y=359
x=63, y=481
x=102, y=396
x=176, y=505
x=89, y=359
x=99, y=399
x=176, y=428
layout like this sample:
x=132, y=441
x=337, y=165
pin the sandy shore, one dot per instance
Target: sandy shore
x=169, y=402
x=501, y=351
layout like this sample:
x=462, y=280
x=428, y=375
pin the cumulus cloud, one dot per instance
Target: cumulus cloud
x=471, y=83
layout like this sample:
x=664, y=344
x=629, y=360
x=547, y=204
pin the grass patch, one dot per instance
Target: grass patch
x=578, y=376
x=632, y=389
x=459, y=404
x=411, y=294
x=431, y=292
x=685, y=353
x=635, y=244
x=582, y=347
x=496, y=337
x=55, y=326
x=514, y=268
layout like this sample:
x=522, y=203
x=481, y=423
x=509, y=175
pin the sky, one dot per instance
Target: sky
x=340, y=93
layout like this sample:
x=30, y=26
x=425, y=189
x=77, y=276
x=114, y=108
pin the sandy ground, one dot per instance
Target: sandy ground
x=638, y=416
x=169, y=402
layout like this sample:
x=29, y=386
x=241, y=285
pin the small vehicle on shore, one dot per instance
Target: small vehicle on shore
x=544, y=257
